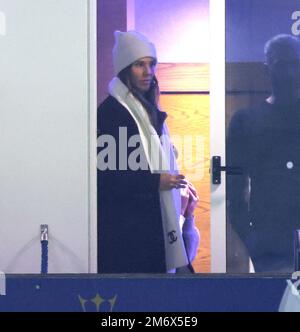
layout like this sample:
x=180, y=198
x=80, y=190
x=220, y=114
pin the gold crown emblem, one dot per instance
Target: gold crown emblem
x=98, y=301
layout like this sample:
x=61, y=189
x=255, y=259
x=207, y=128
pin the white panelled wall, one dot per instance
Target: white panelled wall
x=47, y=100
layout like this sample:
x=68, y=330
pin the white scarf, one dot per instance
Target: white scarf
x=170, y=200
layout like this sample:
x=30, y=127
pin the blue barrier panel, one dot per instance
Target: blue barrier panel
x=142, y=293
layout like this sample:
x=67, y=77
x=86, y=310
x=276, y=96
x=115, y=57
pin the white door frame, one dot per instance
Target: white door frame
x=92, y=72
x=217, y=133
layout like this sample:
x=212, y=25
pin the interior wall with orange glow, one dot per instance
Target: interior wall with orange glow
x=188, y=114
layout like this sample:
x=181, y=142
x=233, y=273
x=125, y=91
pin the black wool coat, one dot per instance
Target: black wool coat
x=130, y=233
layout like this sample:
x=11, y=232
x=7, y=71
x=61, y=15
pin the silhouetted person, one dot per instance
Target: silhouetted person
x=264, y=203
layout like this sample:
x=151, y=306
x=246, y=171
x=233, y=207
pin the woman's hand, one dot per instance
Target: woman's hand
x=185, y=195
x=189, y=200
x=172, y=181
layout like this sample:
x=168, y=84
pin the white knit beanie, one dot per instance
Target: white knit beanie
x=129, y=47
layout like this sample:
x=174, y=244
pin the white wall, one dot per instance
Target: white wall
x=44, y=134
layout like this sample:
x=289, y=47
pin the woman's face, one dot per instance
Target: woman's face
x=142, y=72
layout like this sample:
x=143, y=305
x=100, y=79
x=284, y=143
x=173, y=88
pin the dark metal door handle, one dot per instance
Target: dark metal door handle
x=217, y=169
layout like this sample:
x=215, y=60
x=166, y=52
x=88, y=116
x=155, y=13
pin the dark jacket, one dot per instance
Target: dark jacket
x=130, y=234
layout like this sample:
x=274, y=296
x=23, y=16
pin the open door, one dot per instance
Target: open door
x=255, y=110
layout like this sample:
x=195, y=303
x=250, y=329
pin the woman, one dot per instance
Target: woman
x=139, y=203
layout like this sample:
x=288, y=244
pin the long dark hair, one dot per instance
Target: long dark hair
x=149, y=100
